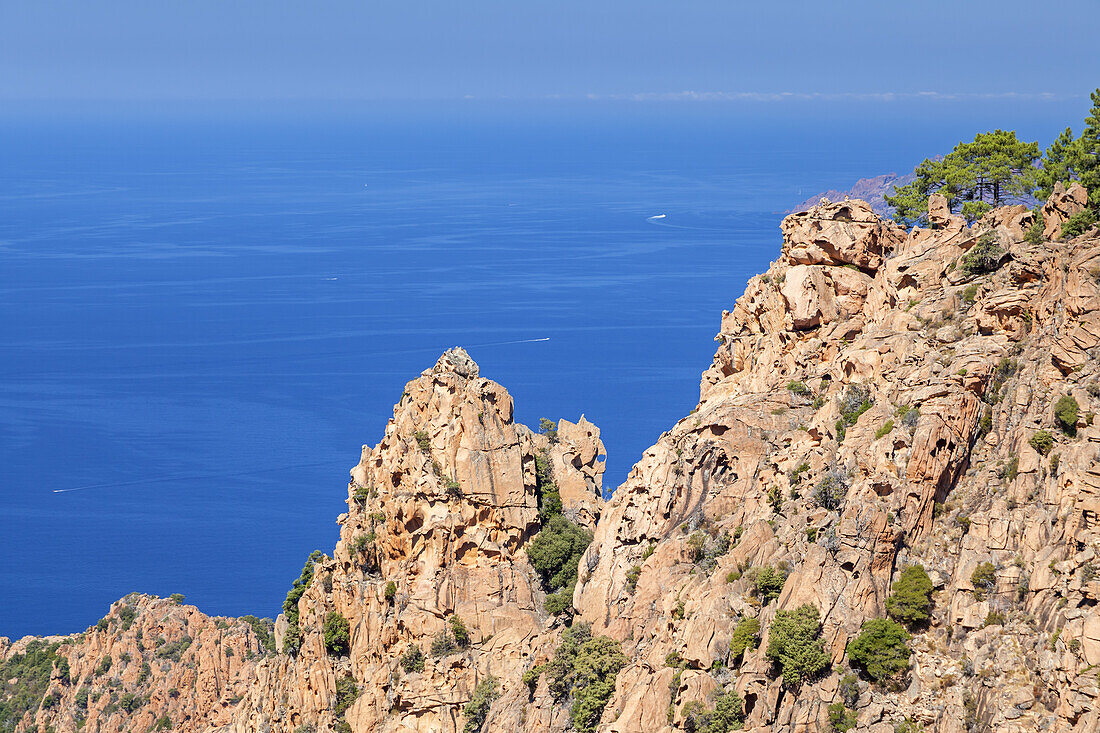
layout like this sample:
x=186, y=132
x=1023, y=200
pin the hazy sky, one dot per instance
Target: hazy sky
x=415, y=49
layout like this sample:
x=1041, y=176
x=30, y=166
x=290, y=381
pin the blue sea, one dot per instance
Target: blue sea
x=205, y=312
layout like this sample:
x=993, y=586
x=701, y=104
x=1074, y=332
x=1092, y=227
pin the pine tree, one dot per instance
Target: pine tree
x=1057, y=164
x=974, y=177
x=1085, y=157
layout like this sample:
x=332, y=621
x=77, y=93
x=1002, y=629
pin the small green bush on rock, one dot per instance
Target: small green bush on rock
x=984, y=580
x=1066, y=411
x=1042, y=441
x=880, y=649
x=746, y=635
x=478, y=708
x=337, y=634
x=911, y=601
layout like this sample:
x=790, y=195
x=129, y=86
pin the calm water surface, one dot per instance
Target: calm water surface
x=205, y=315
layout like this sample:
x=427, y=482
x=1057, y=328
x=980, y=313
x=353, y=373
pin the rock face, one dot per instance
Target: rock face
x=149, y=662
x=877, y=399
x=1061, y=205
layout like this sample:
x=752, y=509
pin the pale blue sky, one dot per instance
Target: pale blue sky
x=417, y=49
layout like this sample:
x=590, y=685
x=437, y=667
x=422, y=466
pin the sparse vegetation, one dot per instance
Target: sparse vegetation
x=172, y=650
x=800, y=389
x=423, y=441
x=413, y=659
x=840, y=718
x=23, y=681
x=477, y=709
x=391, y=590
x=885, y=429
x=855, y=401
x=831, y=490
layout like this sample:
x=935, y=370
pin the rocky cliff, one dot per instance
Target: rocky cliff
x=883, y=406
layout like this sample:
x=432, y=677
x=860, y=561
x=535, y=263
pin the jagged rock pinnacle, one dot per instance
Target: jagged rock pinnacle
x=455, y=360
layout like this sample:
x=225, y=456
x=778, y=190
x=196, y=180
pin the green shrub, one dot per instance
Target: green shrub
x=984, y=580
x=696, y=545
x=531, y=677
x=908, y=725
x=632, y=576
x=555, y=553
x=102, y=624
x=413, y=659
x=337, y=634
x=1066, y=411
x=855, y=401
x=1012, y=468
x=453, y=487
x=1042, y=441
x=795, y=644
x=391, y=590
x=560, y=601
x=1078, y=224
x=264, y=629
x=173, y=650
x=911, y=600
x=346, y=694
x=292, y=638
x=459, y=632
x=800, y=389
x=584, y=667
x=443, y=644
x=885, y=429
x=795, y=476
x=768, y=583
x=983, y=257
x=994, y=618
x=24, y=679
x=478, y=708
x=1034, y=233
x=104, y=665
x=831, y=490
x=840, y=718
x=549, y=428
x=176, y=598
x=729, y=713
x=970, y=294
x=908, y=415
x=746, y=635
x=423, y=441
x=163, y=723
x=595, y=667
x=880, y=649
x=548, y=495
x=849, y=690
x=126, y=616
